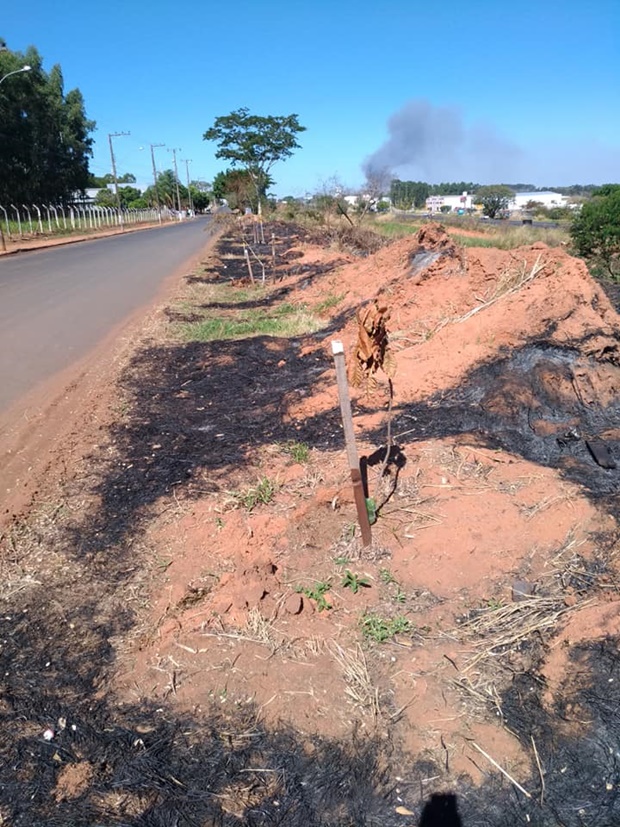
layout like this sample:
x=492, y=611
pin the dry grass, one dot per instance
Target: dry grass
x=354, y=668
x=258, y=629
x=498, y=630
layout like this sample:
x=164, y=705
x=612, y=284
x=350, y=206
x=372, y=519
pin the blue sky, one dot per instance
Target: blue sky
x=483, y=91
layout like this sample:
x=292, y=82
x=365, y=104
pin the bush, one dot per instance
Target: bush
x=596, y=231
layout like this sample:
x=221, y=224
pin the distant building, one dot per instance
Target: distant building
x=434, y=203
x=546, y=199
x=89, y=196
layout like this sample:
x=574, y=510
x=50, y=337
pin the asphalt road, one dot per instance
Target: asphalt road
x=57, y=303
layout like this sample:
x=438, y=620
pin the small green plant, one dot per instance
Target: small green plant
x=354, y=582
x=317, y=593
x=299, y=451
x=400, y=596
x=380, y=629
x=260, y=494
x=219, y=523
x=493, y=604
x=386, y=576
x=371, y=508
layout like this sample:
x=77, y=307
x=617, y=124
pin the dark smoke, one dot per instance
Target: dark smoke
x=432, y=143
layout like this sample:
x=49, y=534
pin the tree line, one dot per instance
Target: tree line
x=45, y=134
x=407, y=195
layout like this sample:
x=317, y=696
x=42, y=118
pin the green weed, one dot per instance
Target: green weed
x=354, y=582
x=317, y=593
x=260, y=494
x=299, y=451
x=380, y=629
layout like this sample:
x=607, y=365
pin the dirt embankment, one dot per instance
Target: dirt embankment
x=193, y=618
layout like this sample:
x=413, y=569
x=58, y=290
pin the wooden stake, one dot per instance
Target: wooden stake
x=248, y=262
x=349, y=438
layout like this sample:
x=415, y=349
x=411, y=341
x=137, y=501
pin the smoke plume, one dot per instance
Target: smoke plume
x=432, y=143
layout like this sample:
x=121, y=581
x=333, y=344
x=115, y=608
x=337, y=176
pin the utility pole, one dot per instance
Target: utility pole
x=153, y=146
x=189, y=192
x=176, y=178
x=118, y=198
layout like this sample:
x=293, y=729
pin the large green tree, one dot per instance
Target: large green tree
x=596, y=230
x=45, y=136
x=494, y=199
x=255, y=143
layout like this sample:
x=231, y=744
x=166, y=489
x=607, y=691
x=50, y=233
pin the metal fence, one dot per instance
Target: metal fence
x=23, y=220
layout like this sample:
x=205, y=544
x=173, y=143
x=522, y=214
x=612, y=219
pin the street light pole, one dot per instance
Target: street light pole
x=153, y=146
x=118, y=198
x=189, y=192
x=16, y=72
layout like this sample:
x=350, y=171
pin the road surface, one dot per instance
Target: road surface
x=57, y=303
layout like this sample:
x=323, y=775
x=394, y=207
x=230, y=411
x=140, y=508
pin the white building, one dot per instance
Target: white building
x=547, y=199
x=434, y=203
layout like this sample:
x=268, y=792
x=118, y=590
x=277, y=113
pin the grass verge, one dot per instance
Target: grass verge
x=286, y=320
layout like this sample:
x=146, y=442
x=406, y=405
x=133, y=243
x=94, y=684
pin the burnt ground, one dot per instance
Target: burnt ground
x=193, y=411
x=510, y=403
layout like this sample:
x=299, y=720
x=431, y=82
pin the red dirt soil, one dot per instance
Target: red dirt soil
x=465, y=522
x=227, y=617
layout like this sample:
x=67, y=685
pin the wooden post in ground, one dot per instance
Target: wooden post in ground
x=249, y=263
x=349, y=437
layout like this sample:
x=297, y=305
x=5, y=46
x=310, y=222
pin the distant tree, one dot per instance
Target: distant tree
x=166, y=190
x=494, y=199
x=376, y=185
x=407, y=194
x=105, y=198
x=453, y=188
x=255, y=143
x=129, y=196
x=237, y=187
x=596, y=230
x=200, y=198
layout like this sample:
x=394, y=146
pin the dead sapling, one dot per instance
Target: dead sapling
x=372, y=354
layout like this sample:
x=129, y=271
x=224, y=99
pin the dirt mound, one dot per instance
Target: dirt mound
x=520, y=342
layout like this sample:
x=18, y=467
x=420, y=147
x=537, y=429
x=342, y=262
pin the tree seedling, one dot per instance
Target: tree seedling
x=354, y=582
